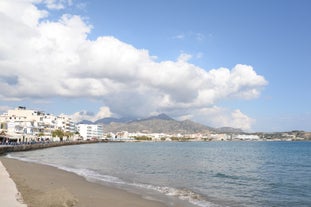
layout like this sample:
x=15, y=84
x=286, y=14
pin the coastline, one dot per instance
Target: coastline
x=43, y=186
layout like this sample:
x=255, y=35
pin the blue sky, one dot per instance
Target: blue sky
x=237, y=63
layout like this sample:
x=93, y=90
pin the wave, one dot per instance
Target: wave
x=182, y=194
x=93, y=176
x=222, y=175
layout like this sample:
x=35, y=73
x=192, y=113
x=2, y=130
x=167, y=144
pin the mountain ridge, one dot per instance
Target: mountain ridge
x=161, y=123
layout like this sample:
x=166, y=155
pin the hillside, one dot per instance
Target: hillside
x=156, y=124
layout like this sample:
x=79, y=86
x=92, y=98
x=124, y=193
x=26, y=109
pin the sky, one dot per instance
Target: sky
x=223, y=63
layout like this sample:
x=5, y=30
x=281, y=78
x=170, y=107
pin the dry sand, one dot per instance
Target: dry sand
x=9, y=195
x=46, y=186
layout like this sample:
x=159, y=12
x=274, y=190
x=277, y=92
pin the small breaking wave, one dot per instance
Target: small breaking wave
x=182, y=194
x=22, y=159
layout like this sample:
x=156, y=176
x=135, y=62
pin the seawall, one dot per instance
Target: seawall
x=26, y=147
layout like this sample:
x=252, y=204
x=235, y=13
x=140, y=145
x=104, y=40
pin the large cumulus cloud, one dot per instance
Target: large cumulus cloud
x=43, y=58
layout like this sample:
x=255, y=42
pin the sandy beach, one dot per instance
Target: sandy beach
x=46, y=186
x=9, y=195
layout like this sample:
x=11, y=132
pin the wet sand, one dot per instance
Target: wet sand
x=46, y=186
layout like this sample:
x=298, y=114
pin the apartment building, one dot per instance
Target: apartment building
x=90, y=131
x=22, y=123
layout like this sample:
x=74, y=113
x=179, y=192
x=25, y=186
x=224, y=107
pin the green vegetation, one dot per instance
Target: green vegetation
x=180, y=139
x=58, y=133
x=142, y=138
x=61, y=134
x=3, y=125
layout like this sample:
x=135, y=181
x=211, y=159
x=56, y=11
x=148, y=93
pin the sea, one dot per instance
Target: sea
x=206, y=174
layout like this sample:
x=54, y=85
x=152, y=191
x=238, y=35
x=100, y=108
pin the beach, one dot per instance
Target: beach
x=184, y=174
x=9, y=195
x=46, y=186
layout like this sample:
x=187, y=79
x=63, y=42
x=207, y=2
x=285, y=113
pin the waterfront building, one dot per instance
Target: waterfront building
x=245, y=137
x=90, y=131
x=28, y=125
x=65, y=123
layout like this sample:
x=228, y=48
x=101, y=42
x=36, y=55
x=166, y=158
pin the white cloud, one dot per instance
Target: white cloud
x=183, y=57
x=199, y=36
x=43, y=58
x=179, y=37
x=220, y=117
x=85, y=115
x=57, y=4
x=199, y=55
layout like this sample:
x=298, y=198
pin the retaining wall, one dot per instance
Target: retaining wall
x=26, y=147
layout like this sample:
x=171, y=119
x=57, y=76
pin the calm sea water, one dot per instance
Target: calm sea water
x=217, y=174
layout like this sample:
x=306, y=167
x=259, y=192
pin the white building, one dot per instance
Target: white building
x=65, y=123
x=245, y=137
x=90, y=131
x=23, y=123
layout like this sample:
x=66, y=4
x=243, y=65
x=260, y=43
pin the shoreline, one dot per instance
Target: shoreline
x=42, y=186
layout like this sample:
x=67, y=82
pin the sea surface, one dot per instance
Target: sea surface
x=209, y=174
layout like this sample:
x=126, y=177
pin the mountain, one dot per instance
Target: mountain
x=159, y=117
x=161, y=123
x=111, y=119
x=228, y=130
x=85, y=122
x=158, y=124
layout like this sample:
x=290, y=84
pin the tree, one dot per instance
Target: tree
x=68, y=134
x=40, y=135
x=3, y=133
x=58, y=133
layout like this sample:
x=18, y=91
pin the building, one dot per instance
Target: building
x=65, y=123
x=90, y=131
x=27, y=125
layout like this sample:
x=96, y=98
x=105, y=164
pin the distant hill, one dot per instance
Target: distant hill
x=161, y=123
x=85, y=122
x=111, y=120
x=159, y=117
x=228, y=130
